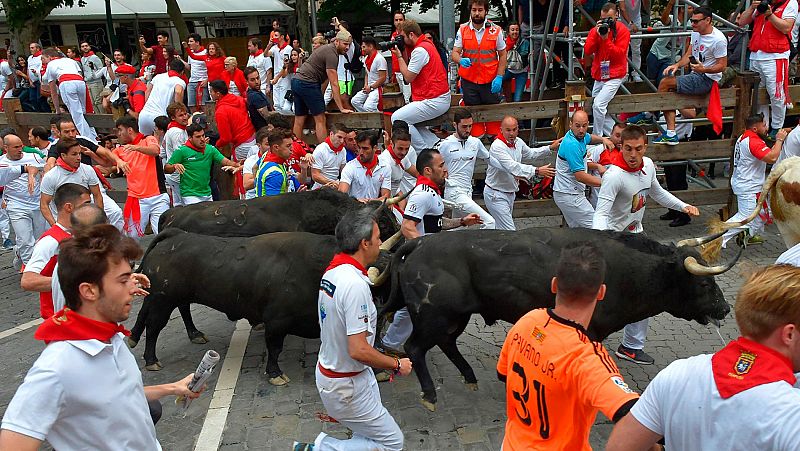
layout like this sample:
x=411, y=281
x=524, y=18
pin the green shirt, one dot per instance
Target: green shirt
x=195, y=180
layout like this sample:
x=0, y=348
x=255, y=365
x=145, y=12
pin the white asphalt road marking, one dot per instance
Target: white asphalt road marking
x=214, y=424
x=20, y=328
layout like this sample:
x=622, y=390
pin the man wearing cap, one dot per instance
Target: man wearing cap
x=135, y=88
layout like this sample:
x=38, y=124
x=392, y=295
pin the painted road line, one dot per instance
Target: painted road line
x=214, y=423
x=20, y=328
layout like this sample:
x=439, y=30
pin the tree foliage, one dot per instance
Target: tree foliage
x=21, y=13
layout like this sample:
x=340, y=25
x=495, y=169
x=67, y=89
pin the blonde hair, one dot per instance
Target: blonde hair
x=231, y=59
x=769, y=299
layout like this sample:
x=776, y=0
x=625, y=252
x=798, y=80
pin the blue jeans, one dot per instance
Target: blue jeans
x=655, y=67
x=191, y=92
x=519, y=83
x=38, y=101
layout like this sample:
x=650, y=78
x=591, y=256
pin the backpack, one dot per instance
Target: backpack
x=517, y=56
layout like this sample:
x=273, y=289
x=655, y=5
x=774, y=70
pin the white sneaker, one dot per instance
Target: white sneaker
x=635, y=77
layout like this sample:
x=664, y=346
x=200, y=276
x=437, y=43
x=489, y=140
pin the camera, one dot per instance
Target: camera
x=398, y=42
x=122, y=102
x=330, y=34
x=763, y=6
x=609, y=23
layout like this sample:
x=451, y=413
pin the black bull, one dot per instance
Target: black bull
x=272, y=278
x=445, y=278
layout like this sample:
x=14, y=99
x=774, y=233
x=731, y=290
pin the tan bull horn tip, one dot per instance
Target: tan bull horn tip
x=692, y=242
x=399, y=198
x=698, y=269
x=376, y=277
x=389, y=244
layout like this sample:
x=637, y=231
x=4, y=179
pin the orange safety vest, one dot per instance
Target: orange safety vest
x=483, y=54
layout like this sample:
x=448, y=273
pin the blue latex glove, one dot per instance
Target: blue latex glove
x=497, y=84
x=465, y=62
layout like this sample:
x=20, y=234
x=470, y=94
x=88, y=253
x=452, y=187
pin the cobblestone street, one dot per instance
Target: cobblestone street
x=265, y=417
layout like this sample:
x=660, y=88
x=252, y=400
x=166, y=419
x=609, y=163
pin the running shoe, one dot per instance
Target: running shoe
x=634, y=355
x=640, y=119
x=8, y=244
x=298, y=446
x=668, y=140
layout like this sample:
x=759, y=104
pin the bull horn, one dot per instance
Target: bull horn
x=692, y=242
x=769, y=183
x=694, y=267
x=376, y=277
x=398, y=199
x=389, y=244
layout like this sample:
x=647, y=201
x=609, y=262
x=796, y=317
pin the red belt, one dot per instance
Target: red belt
x=69, y=77
x=335, y=374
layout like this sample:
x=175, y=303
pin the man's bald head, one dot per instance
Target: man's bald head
x=12, y=144
x=579, y=125
x=509, y=128
x=87, y=215
x=579, y=115
x=510, y=121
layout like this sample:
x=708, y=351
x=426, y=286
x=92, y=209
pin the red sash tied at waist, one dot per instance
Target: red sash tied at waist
x=69, y=77
x=335, y=374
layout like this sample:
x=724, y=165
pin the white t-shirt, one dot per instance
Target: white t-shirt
x=623, y=195
x=330, y=163
x=501, y=42
x=418, y=59
x=16, y=193
x=402, y=181
x=378, y=64
x=459, y=158
x=44, y=250
x=682, y=404
x=425, y=207
x=59, y=301
x=173, y=138
x=708, y=48
x=54, y=178
x=262, y=63
x=197, y=67
x=60, y=66
x=790, y=256
x=81, y=394
x=341, y=72
x=791, y=147
x=5, y=74
x=161, y=95
x=35, y=68
x=510, y=160
x=345, y=308
x=748, y=168
x=250, y=166
x=363, y=185
x=789, y=13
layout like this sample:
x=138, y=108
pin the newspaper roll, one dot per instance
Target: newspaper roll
x=201, y=375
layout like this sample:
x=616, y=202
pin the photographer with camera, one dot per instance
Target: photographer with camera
x=132, y=101
x=398, y=18
x=608, y=43
x=707, y=56
x=769, y=53
x=480, y=51
x=430, y=91
x=92, y=74
x=369, y=98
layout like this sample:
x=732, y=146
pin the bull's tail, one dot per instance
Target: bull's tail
x=395, y=301
x=168, y=233
x=711, y=251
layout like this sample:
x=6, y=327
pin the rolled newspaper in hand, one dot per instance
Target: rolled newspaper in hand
x=201, y=375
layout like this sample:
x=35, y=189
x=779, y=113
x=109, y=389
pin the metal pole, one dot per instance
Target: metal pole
x=313, y=18
x=541, y=67
x=551, y=48
x=745, y=40
x=717, y=17
x=571, y=44
x=447, y=23
x=112, y=37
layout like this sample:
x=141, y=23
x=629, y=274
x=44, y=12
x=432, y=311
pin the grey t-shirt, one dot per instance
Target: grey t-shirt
x=322, y=59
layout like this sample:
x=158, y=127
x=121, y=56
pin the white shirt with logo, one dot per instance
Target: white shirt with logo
x=330, y=163
x=708, y=48
x=363, y=185
x=425, y=207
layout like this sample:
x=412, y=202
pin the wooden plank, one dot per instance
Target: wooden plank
x=763, y=98
x=352, y=120
x=695, y=150
x=659, y=101
x=102, y=121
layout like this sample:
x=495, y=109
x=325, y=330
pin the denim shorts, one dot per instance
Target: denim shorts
x=694, y=83
x=307, y=98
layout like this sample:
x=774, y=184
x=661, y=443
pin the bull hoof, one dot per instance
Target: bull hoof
x=132, y=342
x=278, y=380
x=286, y=378
x=154, y=367
x=258, y=327
x=428, y=405
x=472, y=386
x=198, y=338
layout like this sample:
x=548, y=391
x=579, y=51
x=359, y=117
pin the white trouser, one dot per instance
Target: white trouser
x=420, y=111
x=501, y=207
x=5, y=228
x=405, y=88
x=634, y=334
x=773, y=82
x=113, y=212
x=636, y=44
x=246, y=149
x=190, y=200
x=151, y=210
x=355, y=402
x=175, y=189
x=28, y=226
x=398, y=332
x=594, y=194
x=746, y=203
x=73, y=93
x=279, y=97
x=95, y=90
x=465, y=205
x=577, y=210
x=602, y=93
x=147, y=123
x=366, y=103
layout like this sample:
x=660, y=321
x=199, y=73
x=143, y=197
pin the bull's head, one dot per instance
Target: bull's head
x=387, y=222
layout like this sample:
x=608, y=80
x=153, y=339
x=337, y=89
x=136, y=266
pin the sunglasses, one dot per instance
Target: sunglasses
x=697, y=21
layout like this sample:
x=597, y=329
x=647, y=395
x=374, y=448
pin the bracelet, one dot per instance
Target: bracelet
x=779, y=139
x=461, y=221
x=397, y=368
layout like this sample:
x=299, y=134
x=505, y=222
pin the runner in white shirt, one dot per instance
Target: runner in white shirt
x=620, y=207
x=7, y=79
x=790, y=257
x=368, y=99
x=347, y=320
x=71, y=89
x=502, y=184
x=402, y=159
x=280, y=53
x=161, y=91
x=198, y=75
x=366, y=177
x=329, y=158
x=175, y=137
x=598, y=156
x=21, y=197
x=750, y=158
x=261, y=61
x=740, y=398
x=791, y=147
x=35, y=74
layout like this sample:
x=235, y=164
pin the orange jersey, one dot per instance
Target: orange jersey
x=557, y=379
x=146, y=178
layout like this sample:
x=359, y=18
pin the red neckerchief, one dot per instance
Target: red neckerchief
x=189, y=144
x=422, y=180
x=371, y=165
x=143, y=68
x=370, y=59
x=258, y=53
x=175, y=124
x=69, y=325
x=399, y=161
x=37, y=54
x=281, y=47
x=271, y=157
x=89, y=53
x=137, y=139
x=504, y=140
x=744, y=364
x=617, y=160
x=343, y=259
x=63, y=164
x=173, y=73
x=330, y=144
